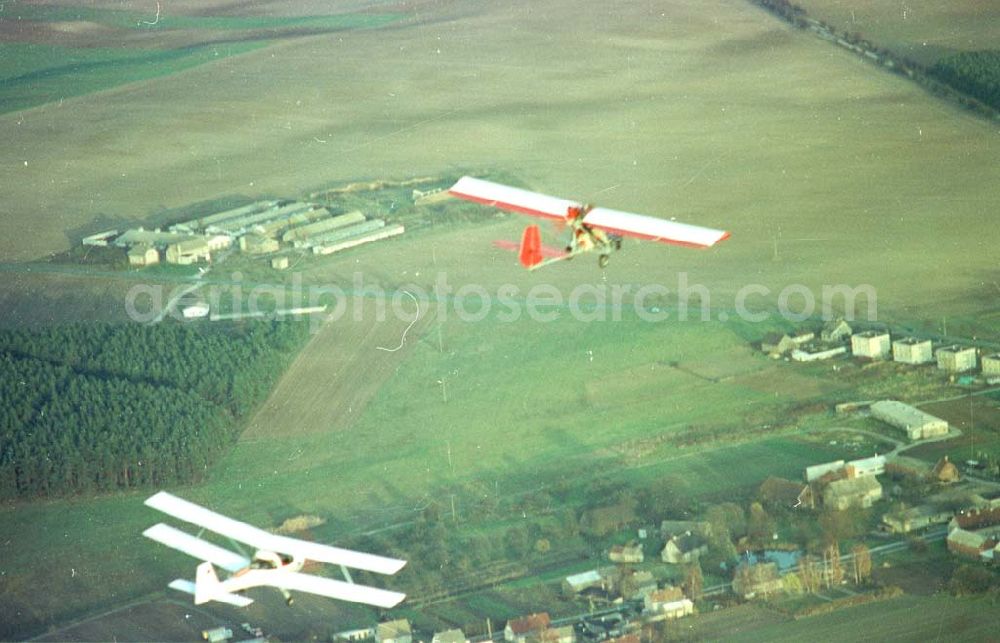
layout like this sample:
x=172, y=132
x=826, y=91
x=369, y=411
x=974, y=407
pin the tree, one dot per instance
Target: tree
x=694, y=582
x=861, y=563
x=809, y=574
x=834, y=573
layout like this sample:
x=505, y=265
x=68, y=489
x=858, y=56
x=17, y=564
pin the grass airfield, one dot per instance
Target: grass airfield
x=715, y=113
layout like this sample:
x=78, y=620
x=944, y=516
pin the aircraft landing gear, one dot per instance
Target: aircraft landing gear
x=603, y=260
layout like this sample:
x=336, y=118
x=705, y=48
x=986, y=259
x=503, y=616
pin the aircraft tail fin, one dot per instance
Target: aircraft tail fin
x=530, y=253
x=206, y=583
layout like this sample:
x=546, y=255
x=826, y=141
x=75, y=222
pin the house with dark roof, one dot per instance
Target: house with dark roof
x=685, y=548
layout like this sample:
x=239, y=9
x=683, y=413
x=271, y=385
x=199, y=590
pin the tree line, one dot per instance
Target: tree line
x=976, y=73
x=99, y=407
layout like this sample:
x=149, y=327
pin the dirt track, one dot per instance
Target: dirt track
x=337, y=374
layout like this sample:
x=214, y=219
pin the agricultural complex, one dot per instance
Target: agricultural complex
x=796, y=433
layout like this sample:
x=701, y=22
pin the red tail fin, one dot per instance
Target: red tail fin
x=531, y=247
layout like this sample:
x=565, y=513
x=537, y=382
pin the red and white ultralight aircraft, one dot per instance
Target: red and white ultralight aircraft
x=592, y=229
x=277, y=561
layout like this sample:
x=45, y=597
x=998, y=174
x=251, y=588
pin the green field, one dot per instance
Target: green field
x=511, y=423
x=36, y=73
x=907, y=618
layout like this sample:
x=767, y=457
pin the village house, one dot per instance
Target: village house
x=945, y=471
x=636, y=583
x=630, y=553
x=956, y=359
x=450, y=636
x=685, y=548
x=397, y=631
x=531, y=627
x=670, y=528
x=761, y=579
x=871, y=344
x=835, y=331
x=563, y=634
x=852, y=492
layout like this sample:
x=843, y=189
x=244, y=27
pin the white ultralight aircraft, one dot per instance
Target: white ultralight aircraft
x=277, y=561
x=592, y=229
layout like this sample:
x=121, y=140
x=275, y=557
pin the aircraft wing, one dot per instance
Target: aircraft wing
x=196, y=547
x=331, y=588
x=652, y=228
x=260, y=539
x=513, y=199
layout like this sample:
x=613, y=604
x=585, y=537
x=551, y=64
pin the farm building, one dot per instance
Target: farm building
x=579, y=582
x=915, y=518
x=817, y=471
x=397, y=631
x=450, y=636
x=531, y=627
x=358, y=239
x=362, y=634
x=912, y=351
x=256, y=244
x=917, y=424
x=100, y=239
x=279, y=263
x=991, y=365
x=760, y=579
x=969, y=543
x=775, y=344
x=218, y=241
x=141, y=236
x=852, y=492
x=806, y=355
x=227, y=215
x=835, y=331
x=143, y=255
x=322, y=225
x=630, y=553
x=871, y=344
x=685, y=548
x=873, y=466
x=956, y=359
x=189, y=251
